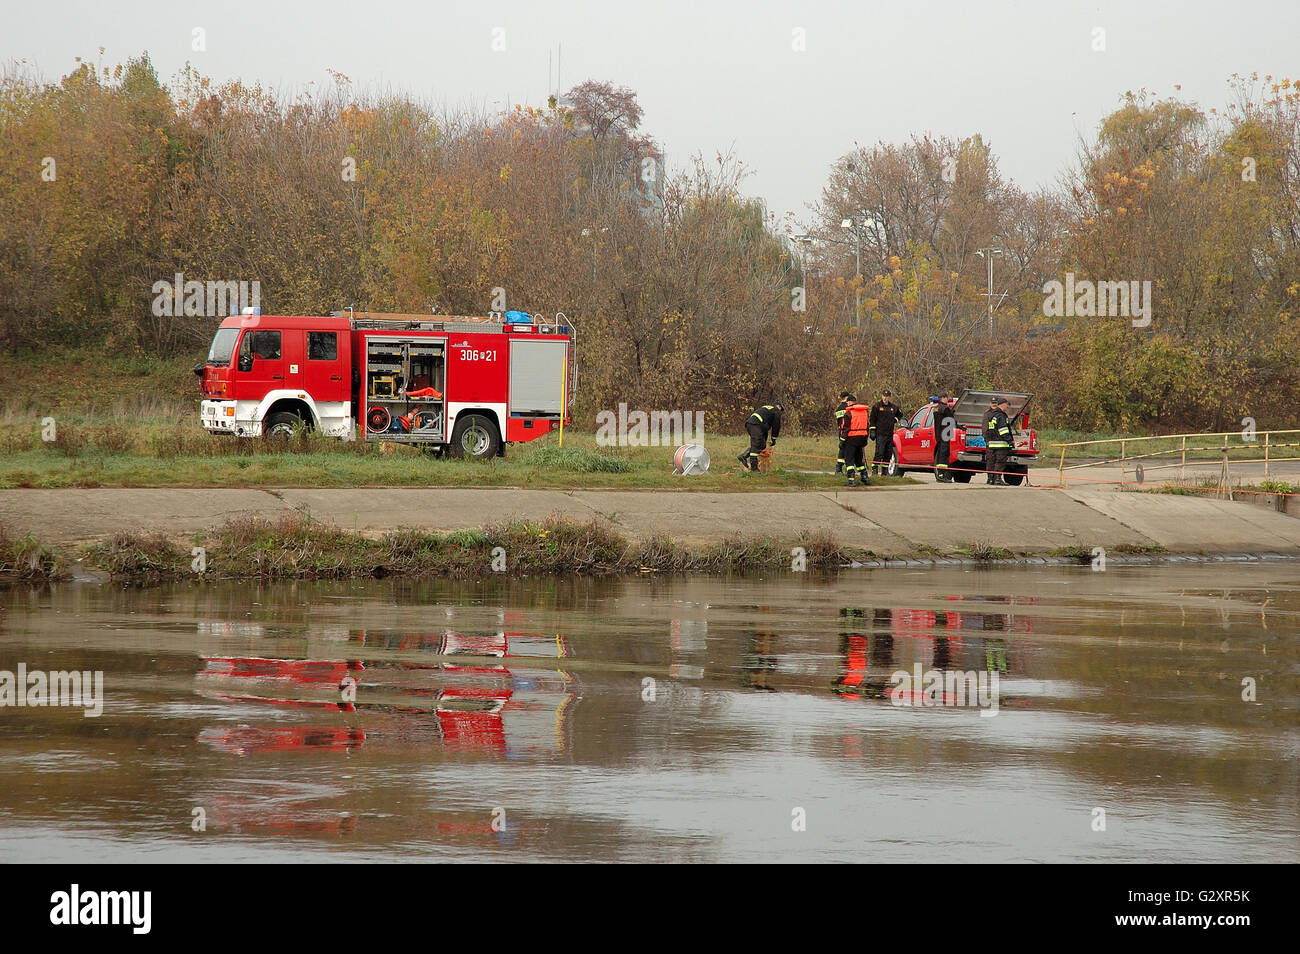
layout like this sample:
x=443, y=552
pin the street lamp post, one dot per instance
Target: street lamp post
x=799, y=247
x=804, y=241
x=856, y=226
x=988, y=254
x=850, y=225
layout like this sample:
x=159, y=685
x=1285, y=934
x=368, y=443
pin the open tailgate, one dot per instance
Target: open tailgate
x=970, y=407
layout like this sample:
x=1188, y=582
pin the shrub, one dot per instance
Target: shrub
x=27, y=559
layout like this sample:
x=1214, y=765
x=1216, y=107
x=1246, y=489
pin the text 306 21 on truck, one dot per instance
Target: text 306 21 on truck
x=468, y=386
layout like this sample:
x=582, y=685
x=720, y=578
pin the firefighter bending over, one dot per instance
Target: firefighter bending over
x=997, y=435
x=764, y=426
x=855, y=425
x=884, y=416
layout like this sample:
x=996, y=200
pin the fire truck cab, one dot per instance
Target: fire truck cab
x=464, y=385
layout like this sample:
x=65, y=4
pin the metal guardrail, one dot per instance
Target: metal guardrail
x=1221, y=448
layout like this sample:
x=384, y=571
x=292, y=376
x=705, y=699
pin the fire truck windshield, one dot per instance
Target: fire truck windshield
x=223, y=346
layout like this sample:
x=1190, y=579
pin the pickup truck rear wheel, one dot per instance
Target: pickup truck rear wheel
x=894, y=468
x=1014, y=474
x=475, y=437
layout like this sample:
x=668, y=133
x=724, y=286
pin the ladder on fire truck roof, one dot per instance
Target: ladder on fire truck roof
x=494, y=322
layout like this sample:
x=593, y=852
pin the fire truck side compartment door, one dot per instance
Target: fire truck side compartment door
x=536, y=372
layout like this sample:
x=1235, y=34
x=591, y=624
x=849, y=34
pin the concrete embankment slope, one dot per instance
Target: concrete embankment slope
x=894, y=521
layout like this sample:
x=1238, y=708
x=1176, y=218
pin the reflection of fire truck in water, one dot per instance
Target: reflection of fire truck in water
x=496, y=696
x=243, y=739
x=877, y=643
x=264, y=805
x=531, y=701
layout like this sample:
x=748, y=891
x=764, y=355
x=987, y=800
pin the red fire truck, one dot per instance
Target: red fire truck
x=467, y=386
x=914, y=440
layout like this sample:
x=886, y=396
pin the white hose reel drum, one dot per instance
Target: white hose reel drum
x=691, y=459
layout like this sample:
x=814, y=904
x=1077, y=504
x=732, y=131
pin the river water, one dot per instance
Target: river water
x=1136, y=714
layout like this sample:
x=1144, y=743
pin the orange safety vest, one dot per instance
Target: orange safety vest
x=859, y=416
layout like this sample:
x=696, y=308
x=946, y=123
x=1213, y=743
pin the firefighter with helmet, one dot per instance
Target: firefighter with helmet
x=845, y=400
x=855, y=427
x=763, y=426
x=999, y=440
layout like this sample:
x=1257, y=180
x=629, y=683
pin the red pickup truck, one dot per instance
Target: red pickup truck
x=914, y=440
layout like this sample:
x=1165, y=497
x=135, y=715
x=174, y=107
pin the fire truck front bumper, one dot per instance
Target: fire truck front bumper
x=218, y=417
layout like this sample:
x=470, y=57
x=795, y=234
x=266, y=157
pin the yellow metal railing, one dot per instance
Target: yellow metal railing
x=1221, y=445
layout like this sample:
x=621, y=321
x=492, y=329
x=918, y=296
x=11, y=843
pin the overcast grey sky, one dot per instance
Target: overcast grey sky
x=721, y=75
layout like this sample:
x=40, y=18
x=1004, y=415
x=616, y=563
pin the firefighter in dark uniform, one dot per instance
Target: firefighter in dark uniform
x=855, y=426
x=997, y=435
x=984, y=426
x=764, y=426
x=845, y=400
x=944, y=426
x=884, y=416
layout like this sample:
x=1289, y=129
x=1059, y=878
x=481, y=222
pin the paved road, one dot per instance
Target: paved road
x=1194, y=474
x=885, y=520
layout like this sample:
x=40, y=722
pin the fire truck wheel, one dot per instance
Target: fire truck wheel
x=475, y=437
x=962, y=476
x=1014, y=474
x=281, y=424
x=894, y=468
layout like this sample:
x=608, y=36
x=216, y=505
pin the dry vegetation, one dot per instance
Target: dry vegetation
x=297, y=547
x=681, y=288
